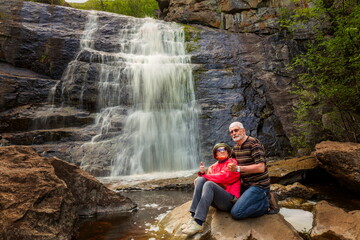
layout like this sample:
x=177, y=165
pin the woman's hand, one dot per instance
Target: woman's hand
x=202, y=168
x=195, y=180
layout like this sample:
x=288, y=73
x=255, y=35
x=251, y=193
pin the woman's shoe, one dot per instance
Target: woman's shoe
x=191, y=219
x=193, y=228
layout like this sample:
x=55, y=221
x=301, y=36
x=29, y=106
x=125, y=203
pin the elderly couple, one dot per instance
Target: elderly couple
x=220, y=185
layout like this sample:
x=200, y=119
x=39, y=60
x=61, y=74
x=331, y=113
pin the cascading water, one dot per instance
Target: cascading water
x=161, y=128
x=149, y=79
x=87, y=43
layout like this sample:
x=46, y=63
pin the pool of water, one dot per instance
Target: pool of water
x=301, y=220
x=140, y=224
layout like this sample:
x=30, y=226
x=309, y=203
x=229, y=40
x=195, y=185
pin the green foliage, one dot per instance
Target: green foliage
x=329, y=82
x=136, y=8
x=43, y=58
x=52, y=2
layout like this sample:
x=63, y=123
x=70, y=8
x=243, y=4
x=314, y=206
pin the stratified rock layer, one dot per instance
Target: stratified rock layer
x=292, y=170
x=341, y=160
x=259, y=16
x=41, y=198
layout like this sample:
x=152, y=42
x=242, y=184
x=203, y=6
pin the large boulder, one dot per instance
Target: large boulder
x=334, y=223
x=220, y=225
x=92, y=197
x=34, y=202
x=341, y=160
x=41, y=198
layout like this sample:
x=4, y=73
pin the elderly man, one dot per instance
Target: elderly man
x=250, y=155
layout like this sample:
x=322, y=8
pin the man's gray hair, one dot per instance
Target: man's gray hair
x=236, y=124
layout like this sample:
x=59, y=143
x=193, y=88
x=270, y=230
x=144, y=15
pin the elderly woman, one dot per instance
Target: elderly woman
x=218, y=187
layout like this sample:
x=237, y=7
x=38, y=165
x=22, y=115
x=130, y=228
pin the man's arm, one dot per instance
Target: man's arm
x=253, y=168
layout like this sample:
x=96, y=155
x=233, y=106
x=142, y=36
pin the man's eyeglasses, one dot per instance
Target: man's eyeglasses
x=234, y=131
x=221, y=149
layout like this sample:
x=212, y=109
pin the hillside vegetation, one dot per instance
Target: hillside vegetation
x=328, y=72
x=135, y=8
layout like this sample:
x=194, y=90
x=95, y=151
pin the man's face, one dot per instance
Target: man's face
x=237, y=133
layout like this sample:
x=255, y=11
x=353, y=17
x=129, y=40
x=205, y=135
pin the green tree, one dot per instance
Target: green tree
x=136, y=8
x=52, y=2
x=329, y=82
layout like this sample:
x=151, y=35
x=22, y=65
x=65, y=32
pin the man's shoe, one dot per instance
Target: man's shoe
x=273, y=202
x=193, y=228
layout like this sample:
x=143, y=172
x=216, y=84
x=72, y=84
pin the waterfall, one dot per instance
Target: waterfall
x=161, y=128
x=146, y=91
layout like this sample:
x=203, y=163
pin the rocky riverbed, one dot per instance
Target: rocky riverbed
x=41, y=193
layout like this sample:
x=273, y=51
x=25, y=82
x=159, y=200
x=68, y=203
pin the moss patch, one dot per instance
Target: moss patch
x=192, y=37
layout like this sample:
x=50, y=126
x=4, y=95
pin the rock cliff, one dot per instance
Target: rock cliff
x=255, y=16
x=238, y=76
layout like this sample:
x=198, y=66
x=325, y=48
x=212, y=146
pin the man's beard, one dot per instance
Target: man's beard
x=237, y=138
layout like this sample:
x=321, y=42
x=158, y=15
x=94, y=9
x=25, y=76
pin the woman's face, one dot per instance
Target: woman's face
x=221, y=153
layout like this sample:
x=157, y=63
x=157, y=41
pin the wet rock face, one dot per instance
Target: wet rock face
x=20, y=87
x=235, y=81
x=39, y=40
x=41, y=198
x=341, y=160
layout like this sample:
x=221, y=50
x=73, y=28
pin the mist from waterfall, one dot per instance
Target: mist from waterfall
x=146, y=90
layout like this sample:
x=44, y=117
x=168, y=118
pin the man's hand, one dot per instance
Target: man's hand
x=232, y=167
